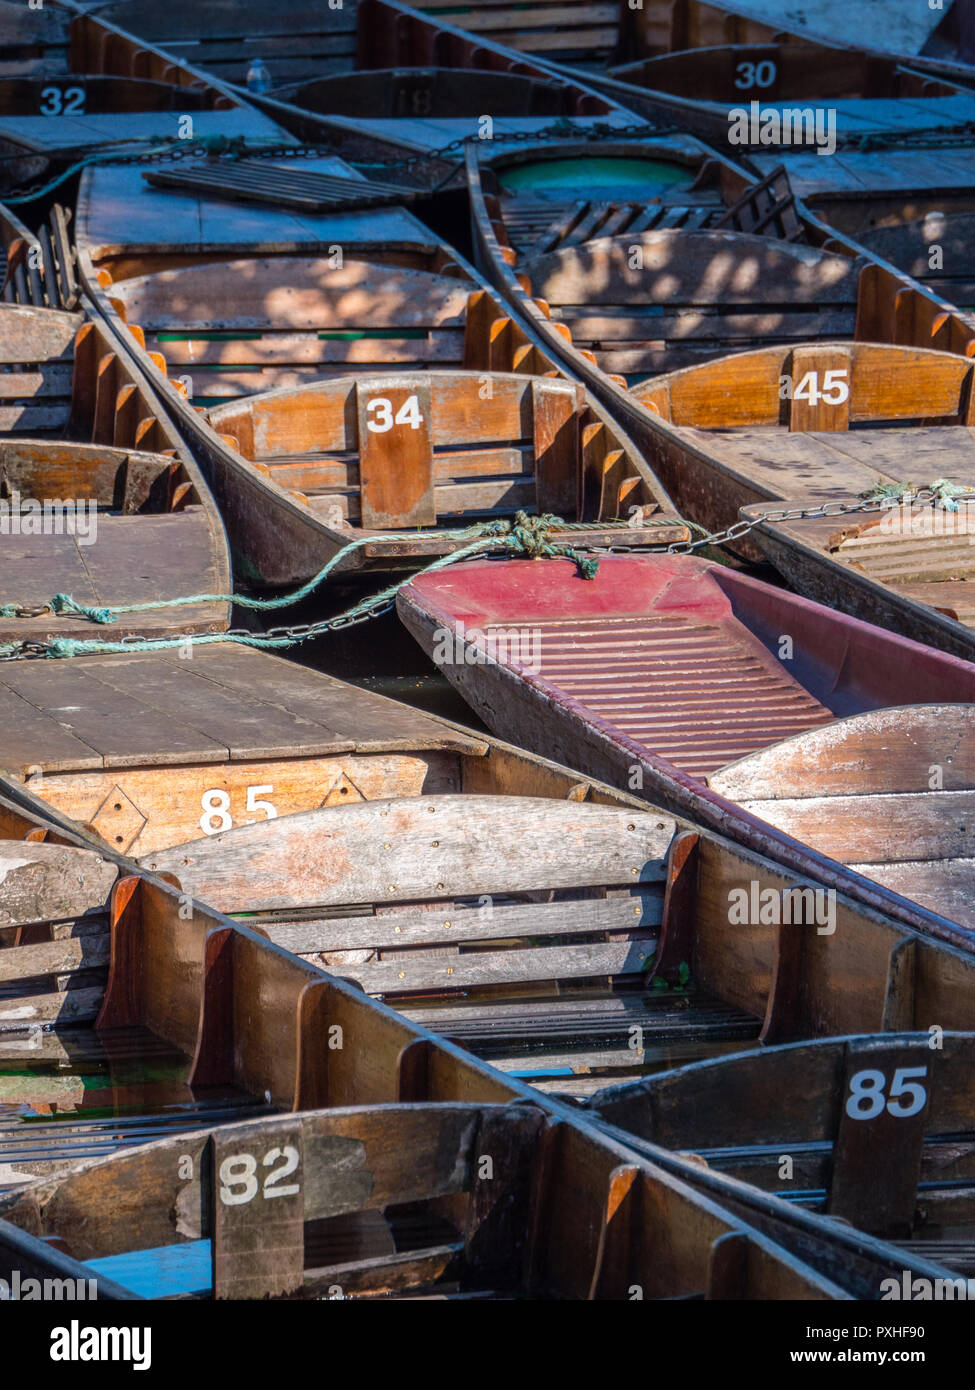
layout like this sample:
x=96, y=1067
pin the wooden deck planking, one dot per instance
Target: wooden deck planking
x=55, y=133
x=227, y=702
x=118, y=211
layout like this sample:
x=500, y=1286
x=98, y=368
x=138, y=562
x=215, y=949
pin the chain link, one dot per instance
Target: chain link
x=238, y=148
x=836, y=507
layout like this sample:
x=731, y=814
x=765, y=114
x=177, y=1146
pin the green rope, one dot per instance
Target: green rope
x=64, y=603
x=528, y=536
x=944, y=493
x=529, y=531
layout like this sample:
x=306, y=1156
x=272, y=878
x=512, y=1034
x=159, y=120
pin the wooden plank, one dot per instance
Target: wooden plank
x=421, y=849
x=32, y=738
x=54, y=958
x=822, y=375
x=555, y=428
x=242, y=726
x=47, y=882
x=501, y=967
x=258, y=1242
x=358, y=718
x=886, y=1090
x=885, y=750
x=395, y=454
x=453, y=922
x=123, y=730
x=293, y=292
x=877, y=828
x=70, y=1007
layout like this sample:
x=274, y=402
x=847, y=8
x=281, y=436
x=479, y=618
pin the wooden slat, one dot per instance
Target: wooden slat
x=420, y=849
x=395, y=429
x=453, y=922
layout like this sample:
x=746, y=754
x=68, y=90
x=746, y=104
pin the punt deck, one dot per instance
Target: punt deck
x=68, y=106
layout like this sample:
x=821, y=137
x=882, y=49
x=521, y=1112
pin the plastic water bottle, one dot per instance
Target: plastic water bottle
x=258, y=77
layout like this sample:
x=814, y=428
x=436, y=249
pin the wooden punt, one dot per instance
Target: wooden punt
x=422, y=83
x=390, y=1201
x=886, y=792
x=251, y=1019
x=591, y=37
x=808, y=1121
x=871, y=94
x=641, y=281
x=344, y=76
x=663, y=669
x=286, y=312
x=100, y=500
x=55, y=114
x=428, y=814
x=936, y=250
x=441, y=450
x=496, y=898
x=902, y=420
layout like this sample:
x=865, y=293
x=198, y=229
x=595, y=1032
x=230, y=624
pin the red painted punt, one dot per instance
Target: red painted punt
x=662, y=670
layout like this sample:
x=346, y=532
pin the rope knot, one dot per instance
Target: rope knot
x=531, y=536
x=64, y=603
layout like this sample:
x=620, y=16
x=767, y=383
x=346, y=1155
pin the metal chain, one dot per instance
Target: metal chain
x=201, y=149
x=870, y=503
x=385, y=602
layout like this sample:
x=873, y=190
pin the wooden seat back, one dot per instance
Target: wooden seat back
x=826, y=1102
x=251, y=325
x=410, y=450
x=508, y=1201
x=868, y=383
x=434, y=890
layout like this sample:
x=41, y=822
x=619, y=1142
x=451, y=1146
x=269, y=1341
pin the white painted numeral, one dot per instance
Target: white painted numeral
x=216, y=808
x=215, y=804
x=836, y=388
x=69, y=102
x=238, y=1171
x=408, y=414
x=867, y=1099
x=238, y=1176
x=754, y=75
x=272, y=1182
x=253, y=804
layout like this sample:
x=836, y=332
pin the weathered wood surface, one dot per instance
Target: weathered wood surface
x=487, y=1160
x=205, y=995
x=418, y=849
x=888, y=792
x=430, y=852
x=125, y=547
x=351, y=439
x=742, y=1112
x=884, y=751
x=160, y=537
x=117, y=212
x=739, y=436
x=145, y=747
x=47, y=882
x=49, y=135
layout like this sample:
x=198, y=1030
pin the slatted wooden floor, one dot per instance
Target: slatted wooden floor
x=118, y=213
x=228, y=702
